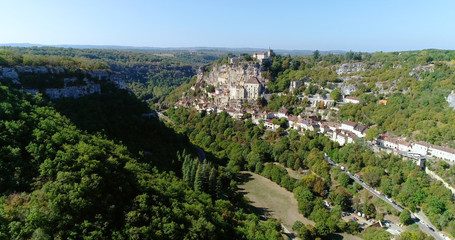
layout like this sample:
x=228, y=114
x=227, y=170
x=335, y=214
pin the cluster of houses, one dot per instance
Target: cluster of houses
x=420, y=147
x=342, y=133
x=236, y=86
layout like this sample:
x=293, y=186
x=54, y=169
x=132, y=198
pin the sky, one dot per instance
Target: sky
x=358, y=25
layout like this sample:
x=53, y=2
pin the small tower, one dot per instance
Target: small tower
x=269, y=52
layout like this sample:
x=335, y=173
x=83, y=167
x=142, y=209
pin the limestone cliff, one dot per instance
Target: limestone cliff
x=232, y=75
x=58, y=82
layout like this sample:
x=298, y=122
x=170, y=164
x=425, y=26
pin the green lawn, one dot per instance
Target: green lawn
x=273, y=201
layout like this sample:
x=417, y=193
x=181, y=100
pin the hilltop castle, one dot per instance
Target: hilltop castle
x=261, y=56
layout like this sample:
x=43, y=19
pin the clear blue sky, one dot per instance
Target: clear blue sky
x=360, y=25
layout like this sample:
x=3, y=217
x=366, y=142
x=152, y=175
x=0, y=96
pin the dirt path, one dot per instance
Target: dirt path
x=437, y=177
x=273, y=201
x=291, y=172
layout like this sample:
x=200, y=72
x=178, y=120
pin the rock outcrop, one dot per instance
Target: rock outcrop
x=73, y=86
x=421, y=68
x=233, y=75
x=451, y=99
x=350, y=68
x=89, y=87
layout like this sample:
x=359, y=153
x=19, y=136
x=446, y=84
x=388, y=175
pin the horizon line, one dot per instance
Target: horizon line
x=117, y=47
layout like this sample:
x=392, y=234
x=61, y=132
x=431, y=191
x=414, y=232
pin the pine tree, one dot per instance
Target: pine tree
x=186, y=170
x=219, y=188
x=198, y=181
x=194, y=167
x=212, y=182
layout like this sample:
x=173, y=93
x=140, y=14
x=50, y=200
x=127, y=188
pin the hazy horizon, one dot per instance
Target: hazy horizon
x=122, y=47
x=304, y=25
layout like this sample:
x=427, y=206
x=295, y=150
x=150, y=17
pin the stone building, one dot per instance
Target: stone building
x=295, y=85
x=253, y=88
x=261, y=56
x=236, y=92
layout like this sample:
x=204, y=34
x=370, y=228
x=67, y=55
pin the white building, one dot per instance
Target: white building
x=420, y=148
x=397, y=144
x=343, y=136
x=425, y=148
x=262, y=55
x=360, y=130
x=356, y=128
x=236, y=92
x=354, y=100
x=442, y=152
x=269, y=124
x=348, y=125
x=282, y=113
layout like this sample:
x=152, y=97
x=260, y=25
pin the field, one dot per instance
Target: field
x=272, y=201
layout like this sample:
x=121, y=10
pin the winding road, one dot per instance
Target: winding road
x=427, y=227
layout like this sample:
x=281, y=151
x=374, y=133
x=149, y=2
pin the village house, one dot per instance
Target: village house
x=383, y=102
x=342, y=136
x=420, y=147
x=236, y=92
x=282, y=113
x=358, y=129
x=425, y=148
x=267, y=115
x=269, y=124
x=442, y=152
x=348, y=125
x=354, y=100
x=397, y=144
x=333, y=125
x=308, y=124
x=292, y=121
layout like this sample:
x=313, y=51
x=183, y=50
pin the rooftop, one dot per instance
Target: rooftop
x=253, y=80
x=349, y=123
x=352, y=98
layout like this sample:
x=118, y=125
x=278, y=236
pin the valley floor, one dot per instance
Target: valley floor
x=272, y=201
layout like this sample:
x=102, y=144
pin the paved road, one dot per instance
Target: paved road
x=425, y=226
x=200, y=152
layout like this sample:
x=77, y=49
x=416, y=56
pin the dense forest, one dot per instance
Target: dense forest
x=414, y=83
x=80, y=177
x=150, y=75
x=97, y=168
x=249, y=147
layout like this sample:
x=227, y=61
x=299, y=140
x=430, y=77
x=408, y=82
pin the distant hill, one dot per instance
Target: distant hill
x=294, y=52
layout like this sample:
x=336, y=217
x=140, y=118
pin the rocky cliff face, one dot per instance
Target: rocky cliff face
x=350, y=68
x=85, y=83
x=232, y=75
x=421, y=68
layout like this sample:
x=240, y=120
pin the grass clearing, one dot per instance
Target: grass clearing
x=273, y=201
